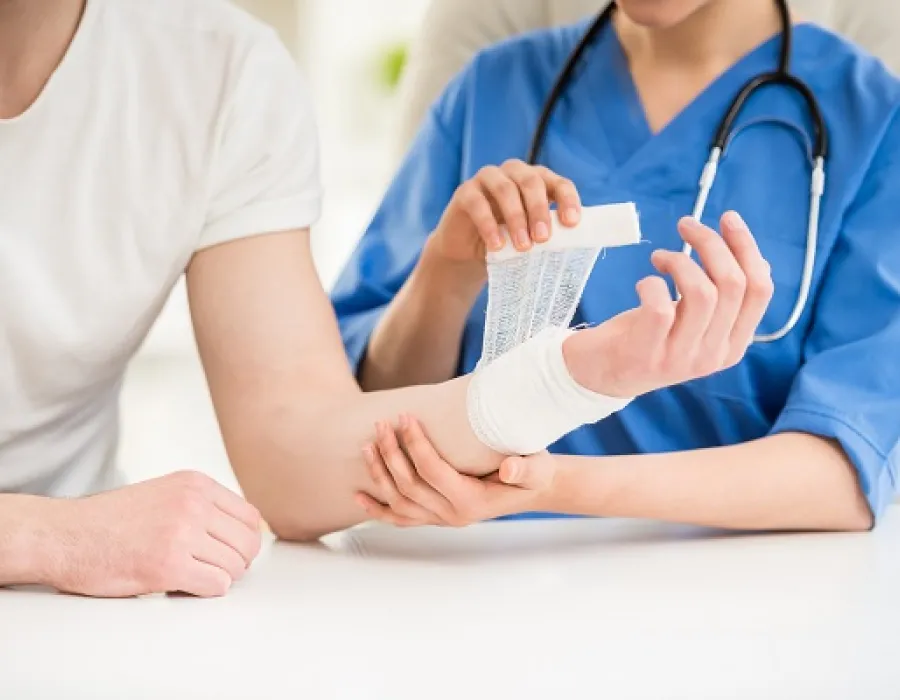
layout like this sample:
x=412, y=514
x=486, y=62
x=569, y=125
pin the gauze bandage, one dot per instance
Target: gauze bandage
x=522, y=397
x=541, y=288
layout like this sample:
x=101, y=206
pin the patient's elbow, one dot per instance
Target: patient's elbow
x=296, y=529
x=859, y=518
x=853, y=514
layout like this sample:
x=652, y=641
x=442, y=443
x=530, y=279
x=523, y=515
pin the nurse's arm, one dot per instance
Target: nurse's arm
x=788, y=481
x=293, y=419
x=417, y=340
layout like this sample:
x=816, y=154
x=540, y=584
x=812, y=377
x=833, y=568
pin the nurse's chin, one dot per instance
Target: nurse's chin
x=660, y=14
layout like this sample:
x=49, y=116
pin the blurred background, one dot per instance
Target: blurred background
x=353, y=68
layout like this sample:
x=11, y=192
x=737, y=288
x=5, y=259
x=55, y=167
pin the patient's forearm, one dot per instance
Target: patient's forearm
x=419, y=337
x=23, y=540
x=783, y=482
x=304, y=472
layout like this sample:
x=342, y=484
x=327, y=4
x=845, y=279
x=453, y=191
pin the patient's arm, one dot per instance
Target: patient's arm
x=295, y=422
x=293, y=419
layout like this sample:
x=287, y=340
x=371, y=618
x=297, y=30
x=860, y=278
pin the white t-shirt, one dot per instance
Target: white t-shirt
x=170, y=126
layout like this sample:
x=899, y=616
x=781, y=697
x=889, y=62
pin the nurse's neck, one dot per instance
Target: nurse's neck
x=671, y=64
x=718, y=33
x=34, y=38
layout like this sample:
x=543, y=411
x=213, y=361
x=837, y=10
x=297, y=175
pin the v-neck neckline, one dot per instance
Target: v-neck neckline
x=700, y=116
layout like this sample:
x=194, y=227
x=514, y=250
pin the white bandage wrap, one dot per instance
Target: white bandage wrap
x=526, y=400
x=538, y=289
x=522, y=397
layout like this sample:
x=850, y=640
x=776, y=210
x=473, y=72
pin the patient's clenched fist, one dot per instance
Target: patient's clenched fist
x=179, y=533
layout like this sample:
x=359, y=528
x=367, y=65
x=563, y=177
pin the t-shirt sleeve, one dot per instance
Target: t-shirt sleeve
x=848, y=389
x=265, y=166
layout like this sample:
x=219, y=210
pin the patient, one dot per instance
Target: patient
x=140, y=141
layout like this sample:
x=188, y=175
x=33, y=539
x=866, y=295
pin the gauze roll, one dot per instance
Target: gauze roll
x=522, y=397
x=527, y=399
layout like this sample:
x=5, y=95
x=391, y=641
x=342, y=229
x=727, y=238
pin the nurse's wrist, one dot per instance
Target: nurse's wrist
x=578, y=486
x=443, y=278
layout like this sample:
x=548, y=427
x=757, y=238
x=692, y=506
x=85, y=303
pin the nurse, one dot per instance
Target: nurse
x=804, y=431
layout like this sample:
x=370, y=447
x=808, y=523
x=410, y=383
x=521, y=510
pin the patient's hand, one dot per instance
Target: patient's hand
x=179, y=533
x=663, y=342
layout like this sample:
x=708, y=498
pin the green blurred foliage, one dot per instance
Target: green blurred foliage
x=391, y=64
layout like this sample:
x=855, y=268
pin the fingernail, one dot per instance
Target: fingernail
x=404, y=421
x=572, y=215
x=522, y=238
x=690, y=222
x=541, y=232
x=496, y=242
x=512, y=471
x=734, y=220
x=368, y=453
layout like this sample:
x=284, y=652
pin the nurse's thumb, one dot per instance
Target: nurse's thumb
x=532, y=473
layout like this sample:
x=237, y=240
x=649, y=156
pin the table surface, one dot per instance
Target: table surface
x=561, y=609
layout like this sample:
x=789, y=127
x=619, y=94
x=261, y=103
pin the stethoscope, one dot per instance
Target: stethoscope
x=781, y=76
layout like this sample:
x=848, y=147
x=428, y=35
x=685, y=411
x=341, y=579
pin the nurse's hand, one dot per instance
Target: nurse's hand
x=181, y=533
x=516, y=195
x=663, y=342
x=415, y=486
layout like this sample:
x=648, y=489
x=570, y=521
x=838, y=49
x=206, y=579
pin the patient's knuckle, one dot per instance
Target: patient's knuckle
x=701, y=292
x=706, y=364
x=761, y=284
x=732, y=284
x=192, y=480
x=674, y=365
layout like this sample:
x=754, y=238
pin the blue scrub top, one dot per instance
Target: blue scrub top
x=836, y=375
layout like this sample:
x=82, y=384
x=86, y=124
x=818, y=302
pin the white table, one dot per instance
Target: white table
x=564, y=609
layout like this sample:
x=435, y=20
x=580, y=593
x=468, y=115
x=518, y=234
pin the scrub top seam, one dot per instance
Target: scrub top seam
x=819, y=413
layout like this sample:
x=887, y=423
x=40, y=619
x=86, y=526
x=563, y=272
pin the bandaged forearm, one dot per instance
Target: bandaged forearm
x=522, y=397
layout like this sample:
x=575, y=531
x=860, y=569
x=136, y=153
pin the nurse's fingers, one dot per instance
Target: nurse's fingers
x=540, y=187
x=759, y=283
x=432, y=467
x=693, y=312
x=533, y=191
x=503, y=195
x=387, y=490
x=379, y=511
x=406, y=479
x=473, y=201
x=728, y=277
x=657, y=315
x=564, y=193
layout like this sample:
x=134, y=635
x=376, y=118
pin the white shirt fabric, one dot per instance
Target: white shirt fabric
x=170, y=126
